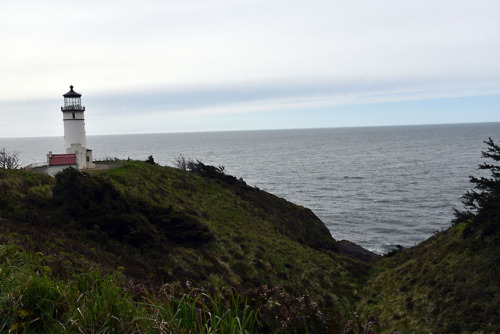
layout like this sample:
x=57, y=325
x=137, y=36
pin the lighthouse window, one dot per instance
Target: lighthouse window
x=73, y=115
x=72, y=103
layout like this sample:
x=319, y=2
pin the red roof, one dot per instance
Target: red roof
x=62, y=159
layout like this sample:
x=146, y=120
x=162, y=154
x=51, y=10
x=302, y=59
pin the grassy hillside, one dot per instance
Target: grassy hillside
x=157, y=225
x=446, y=284
x=142, y=246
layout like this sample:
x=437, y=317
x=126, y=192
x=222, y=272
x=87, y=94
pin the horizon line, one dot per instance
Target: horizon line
x=270, y=129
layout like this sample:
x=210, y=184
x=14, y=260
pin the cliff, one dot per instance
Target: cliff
x=146, y=235
x=158, y=225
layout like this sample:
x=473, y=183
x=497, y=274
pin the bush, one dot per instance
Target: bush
x=93, y=203
x=9, y=160
x=208, y=171
x=150, y=160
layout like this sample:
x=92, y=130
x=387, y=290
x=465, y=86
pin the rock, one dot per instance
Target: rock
x=353, y=250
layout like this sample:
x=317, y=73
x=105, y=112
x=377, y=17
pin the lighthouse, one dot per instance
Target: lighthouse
x=74, y=129
x=77, y=154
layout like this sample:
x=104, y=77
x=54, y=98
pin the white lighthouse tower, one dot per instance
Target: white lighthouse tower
x=74, y=129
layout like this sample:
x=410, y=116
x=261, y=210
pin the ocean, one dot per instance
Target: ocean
x=376, y=186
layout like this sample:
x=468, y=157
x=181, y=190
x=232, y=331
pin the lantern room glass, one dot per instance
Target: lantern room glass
x=72, y=103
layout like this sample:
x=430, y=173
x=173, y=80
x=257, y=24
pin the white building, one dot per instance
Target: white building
x=77, y=155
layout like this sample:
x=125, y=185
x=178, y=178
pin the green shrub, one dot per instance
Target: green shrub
x=95, y=204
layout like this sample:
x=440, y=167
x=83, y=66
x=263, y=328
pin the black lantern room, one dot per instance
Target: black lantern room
x=72, y=101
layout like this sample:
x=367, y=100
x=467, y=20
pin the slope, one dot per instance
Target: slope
x=160, y=225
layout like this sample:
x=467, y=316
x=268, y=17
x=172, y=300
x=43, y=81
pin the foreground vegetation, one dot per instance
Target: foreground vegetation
x=154, y=225
x=35, y=300
x=146, y=248
x=446, y=284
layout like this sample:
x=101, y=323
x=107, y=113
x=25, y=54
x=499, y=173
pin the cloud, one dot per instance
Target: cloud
x=279, y=95
x=155, y=43
x=232, y=57
x=192, y=108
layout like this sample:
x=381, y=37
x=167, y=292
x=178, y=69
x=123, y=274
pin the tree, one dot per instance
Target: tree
x=482, y=204
x=150, y=160
x=9, y=160
x=181, y=163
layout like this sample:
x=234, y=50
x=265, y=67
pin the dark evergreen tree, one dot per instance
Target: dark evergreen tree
x=150, y=160
x=482, y=204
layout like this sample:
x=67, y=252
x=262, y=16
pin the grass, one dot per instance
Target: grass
x=258, y=241
x=126, y=262
x=259, y=238
x=448, y=283
x=32, y=300
x=200, y=312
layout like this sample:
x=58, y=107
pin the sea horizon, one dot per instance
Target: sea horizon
x=270, y=129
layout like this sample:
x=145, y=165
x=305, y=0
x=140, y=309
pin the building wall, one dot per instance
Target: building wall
x=89, y=159
x=69, y=114
x=74, y=132
x=53, y=170
x=81, y=155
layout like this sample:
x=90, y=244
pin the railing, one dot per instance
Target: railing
x=35, y=164
x=76, y=107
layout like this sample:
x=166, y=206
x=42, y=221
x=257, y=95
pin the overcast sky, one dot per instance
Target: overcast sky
x=202, y=65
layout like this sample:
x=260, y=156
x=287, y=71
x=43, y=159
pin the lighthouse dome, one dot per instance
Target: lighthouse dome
x=72, y=93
